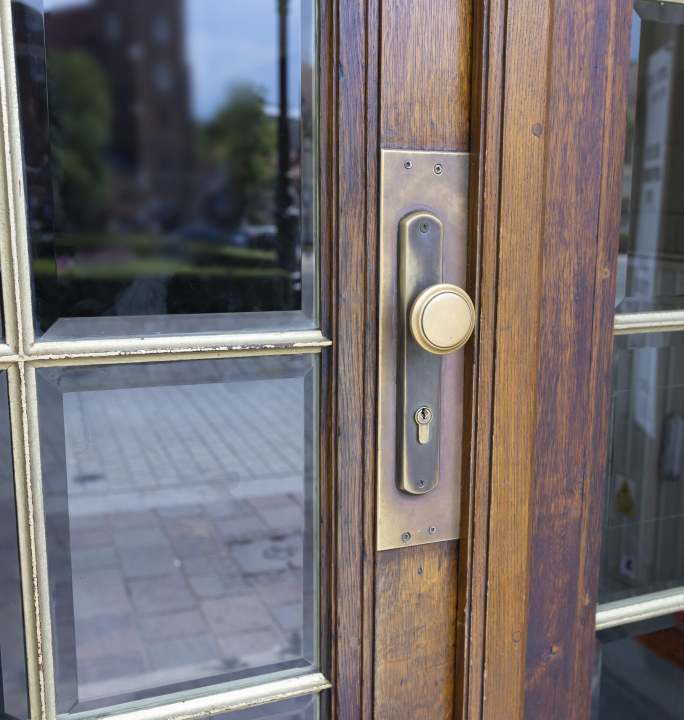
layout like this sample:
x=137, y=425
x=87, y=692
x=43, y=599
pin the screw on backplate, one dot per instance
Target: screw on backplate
x=438, y=169
x=421, y=482
x=433, y=529
x=406, y=537
x=424, y=227
x=408, y=164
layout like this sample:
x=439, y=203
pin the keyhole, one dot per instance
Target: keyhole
x=424, y=414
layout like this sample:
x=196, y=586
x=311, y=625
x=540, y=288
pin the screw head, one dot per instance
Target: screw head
x=408, y=164
x=406, y=537
x=424, y=226
x=421, y=482
x=438, y=169
x=433, y=529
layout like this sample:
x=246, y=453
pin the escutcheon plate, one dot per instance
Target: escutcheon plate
x=408, y=182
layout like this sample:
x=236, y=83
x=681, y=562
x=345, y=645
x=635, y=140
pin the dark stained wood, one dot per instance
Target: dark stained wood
x=416, y=588
x=425, y=74
x=587, y=109
x=488, y=53
x=348, y=171
x=371, y=356
x=547, y=145
x=327, y=95
x=424, y=105
x=515, y=376
x=548, y=134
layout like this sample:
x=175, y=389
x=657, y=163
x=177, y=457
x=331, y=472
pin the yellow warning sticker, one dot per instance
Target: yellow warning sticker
x=624, y=502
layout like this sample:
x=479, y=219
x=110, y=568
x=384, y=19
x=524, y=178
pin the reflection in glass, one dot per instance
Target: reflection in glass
x=179, y=509
x=651, y=259
x=168, y=158
x=301, y=708
x=642, y=548
x=13, y=688
x=639, y=671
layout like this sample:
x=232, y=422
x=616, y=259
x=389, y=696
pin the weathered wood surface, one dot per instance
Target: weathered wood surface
x=416, y=657
x=424, y=99
x=548, y=136
x=425, y=74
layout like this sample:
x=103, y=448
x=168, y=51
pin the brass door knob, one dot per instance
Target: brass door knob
x=442, y=318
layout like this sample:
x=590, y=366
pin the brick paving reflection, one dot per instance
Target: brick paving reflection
x=186, y=531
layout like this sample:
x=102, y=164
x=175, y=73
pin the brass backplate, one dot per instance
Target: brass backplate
x=438, y=183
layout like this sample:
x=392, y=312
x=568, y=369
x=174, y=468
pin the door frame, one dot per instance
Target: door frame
x=546, y=134
x=546, y=137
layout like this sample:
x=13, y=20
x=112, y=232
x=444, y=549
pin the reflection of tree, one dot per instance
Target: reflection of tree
x=241, y=140
x=80, y=132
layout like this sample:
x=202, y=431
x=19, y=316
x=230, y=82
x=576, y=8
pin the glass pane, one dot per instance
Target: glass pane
x=651, y=260
x=13, y=688
x=168, y=149
x=643, y=533
x=302, y=708
x=180, y=504
x=639, y=671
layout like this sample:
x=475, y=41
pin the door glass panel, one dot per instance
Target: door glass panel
x=651, y=259
x=643, y=534
x=180, y=501
x=13, y=688
x=302, y=708
x=639, y=671
x=168, y=149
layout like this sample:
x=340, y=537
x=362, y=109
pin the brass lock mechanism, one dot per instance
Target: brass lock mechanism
x=435, y=319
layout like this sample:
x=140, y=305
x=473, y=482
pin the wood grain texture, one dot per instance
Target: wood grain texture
x=424, y=105
x=416, y=588
x=549, y=136
x=371, y=353
x=347, y=211
x=587, y=111
x=488, y=67
x=515, y=377
x=425, y=74
x=327, y=98
x=349, y=336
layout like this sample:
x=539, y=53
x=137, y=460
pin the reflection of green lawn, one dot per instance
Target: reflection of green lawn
x=150, y=245
x=196, y=258
x=152, y=267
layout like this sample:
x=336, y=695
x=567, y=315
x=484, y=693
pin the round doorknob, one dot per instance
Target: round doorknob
x=442, y=319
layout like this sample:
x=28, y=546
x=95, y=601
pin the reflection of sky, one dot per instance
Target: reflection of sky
x=636, y=34
x=229, y=42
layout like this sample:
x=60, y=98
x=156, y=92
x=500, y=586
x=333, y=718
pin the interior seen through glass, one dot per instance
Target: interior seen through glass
x=651, y=258
x=169, y=164
x=639, y=671
x=179, y=515
x=642, y=549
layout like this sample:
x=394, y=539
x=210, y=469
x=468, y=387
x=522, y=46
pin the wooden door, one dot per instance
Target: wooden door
x=495, y=623
x=499, y=623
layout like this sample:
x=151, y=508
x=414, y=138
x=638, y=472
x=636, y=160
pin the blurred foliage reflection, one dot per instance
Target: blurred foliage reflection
x=139, y=203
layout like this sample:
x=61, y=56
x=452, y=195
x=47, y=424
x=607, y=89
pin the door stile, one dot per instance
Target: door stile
x=487, y=78
x=587, y=100
x=348, y=91
x=612, y=160
x=371, y=352
x=425, y=94
x=548, y=133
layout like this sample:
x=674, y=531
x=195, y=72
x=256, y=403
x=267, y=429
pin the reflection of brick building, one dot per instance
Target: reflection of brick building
x=139, y=45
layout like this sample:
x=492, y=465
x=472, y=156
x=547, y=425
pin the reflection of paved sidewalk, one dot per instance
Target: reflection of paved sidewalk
x=186, y=529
